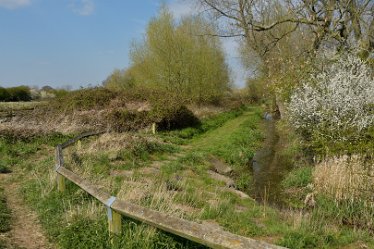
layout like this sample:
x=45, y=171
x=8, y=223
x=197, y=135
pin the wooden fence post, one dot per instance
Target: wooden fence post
x=115, y=228
x=60, y=162
x=114, y=222
x=60, y=182
x=79, y=145
x=154, y=128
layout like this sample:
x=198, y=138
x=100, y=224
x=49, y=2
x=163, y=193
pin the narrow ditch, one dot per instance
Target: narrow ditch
x=269, y=167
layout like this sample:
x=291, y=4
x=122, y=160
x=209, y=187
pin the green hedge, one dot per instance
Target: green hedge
x=14, y=94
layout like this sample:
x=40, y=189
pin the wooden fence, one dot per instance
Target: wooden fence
x=116, y=208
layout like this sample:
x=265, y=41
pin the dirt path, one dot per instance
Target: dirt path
x=26, y=231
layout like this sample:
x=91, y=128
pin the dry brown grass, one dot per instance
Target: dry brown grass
x=154, y=194
x=14, y=106
x=91, y=210
x=110, y=142
x=345, y=178
x=206, y=110
x=48, y=122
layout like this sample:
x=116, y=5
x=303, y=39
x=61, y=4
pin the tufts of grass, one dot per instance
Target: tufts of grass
x=74, y=219
x=316, y=230
x=83, y=99
x=85, y=233
x=207, y=124
x=2, y=244
x=296, y=186
x=298, y=178
x=4, y=169
x=14, y=106
x=141, y=152
x=5, y=213
x=244, y=181
x=90, y=231
x=356, y=215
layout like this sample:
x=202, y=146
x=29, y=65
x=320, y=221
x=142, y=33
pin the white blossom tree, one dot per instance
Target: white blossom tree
x=337, y=103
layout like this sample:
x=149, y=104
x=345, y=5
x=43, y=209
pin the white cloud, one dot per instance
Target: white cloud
x=14, y=4
x=181, y=8
x=82, y=7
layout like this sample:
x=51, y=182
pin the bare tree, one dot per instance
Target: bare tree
x=340, y=22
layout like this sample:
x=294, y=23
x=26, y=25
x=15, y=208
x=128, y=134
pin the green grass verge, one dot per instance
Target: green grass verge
x=232, y=137
x=5, y=214
x=13, y=106
x=53, y=208
x=298, y=178
x=329, y=223
x=183, y=136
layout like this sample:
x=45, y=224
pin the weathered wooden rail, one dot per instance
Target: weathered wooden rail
x=116, y=208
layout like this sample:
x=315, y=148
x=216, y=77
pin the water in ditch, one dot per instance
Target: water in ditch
x=269, y=167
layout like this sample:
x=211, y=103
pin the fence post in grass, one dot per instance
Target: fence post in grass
x=60, y=162
x=114, y=222
x=79, y=145
x=60, y=183
x=154, y=128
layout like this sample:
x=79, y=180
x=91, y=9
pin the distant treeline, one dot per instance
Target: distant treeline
x=19, y=93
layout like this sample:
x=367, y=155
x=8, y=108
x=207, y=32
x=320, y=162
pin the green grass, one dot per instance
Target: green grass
x=4, y=169
x=233, y=137
x=183, y=136
x=5, y=214
x=91, y=232
x=15, y=106
x=298, y=178
x=5, y=217
x=52, y=207
x=330, y=223
x=234, y=141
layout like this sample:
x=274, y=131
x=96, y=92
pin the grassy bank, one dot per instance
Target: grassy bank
x=74, y=220
x=4, y=218
x=169, y=172
x=16, y=106
x=321, y=220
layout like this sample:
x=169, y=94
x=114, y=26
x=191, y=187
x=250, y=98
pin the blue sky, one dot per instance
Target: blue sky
x=76, y=42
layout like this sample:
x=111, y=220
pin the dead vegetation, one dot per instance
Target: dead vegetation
x=345, y=178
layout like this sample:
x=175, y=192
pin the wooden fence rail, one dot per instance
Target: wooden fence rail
x=187, y=229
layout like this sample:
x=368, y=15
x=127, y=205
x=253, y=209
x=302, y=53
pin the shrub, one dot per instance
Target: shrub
x=124, y=120
x=5, y=214
x=4, y=94
x=172, y=59
x=345, y=178
x=298, y=178
x=257, y=90
x=84, y=99
x=19, y=93
x=337, y=103
x=177, y=118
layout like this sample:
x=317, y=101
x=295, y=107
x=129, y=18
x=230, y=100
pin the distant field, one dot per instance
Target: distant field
x=8, y=106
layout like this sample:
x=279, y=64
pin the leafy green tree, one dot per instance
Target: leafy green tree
x=4, y=94
x=120, y=80
x=20, y=93
x=176, y=58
